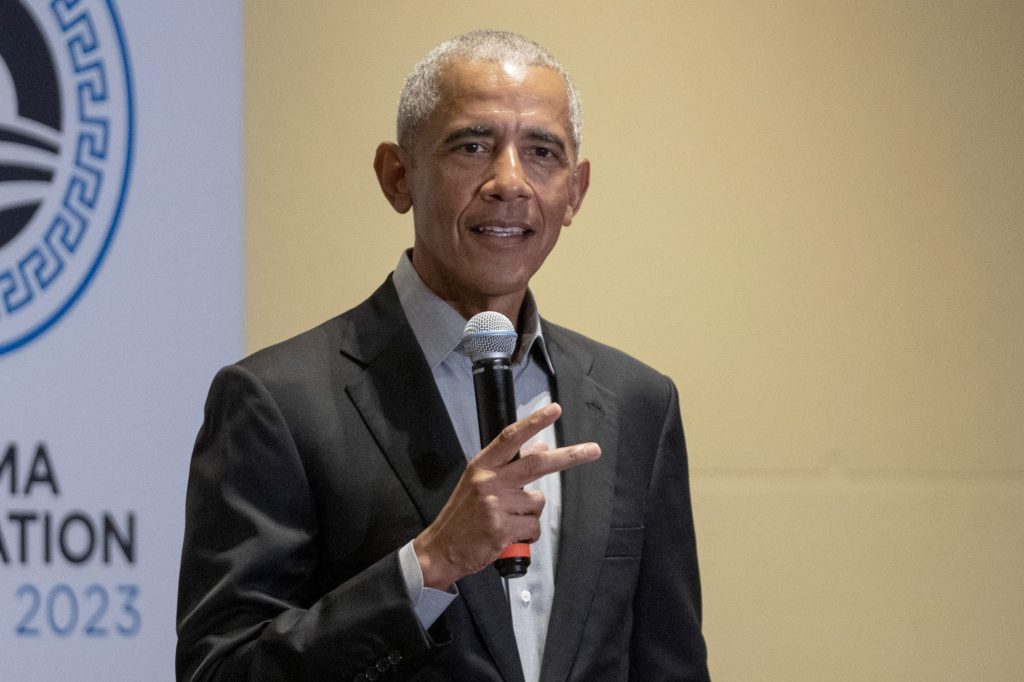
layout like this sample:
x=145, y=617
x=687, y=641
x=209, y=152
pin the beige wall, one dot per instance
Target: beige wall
x=810, y=215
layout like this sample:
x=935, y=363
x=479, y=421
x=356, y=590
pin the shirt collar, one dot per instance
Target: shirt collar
x=438, y=327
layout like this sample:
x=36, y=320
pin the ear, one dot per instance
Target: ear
x=391, y=164
x=578, y=185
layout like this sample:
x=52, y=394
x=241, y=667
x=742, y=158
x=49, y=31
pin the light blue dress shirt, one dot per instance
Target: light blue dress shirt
x=438, y=329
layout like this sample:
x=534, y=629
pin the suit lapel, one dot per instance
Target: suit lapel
x=400, y=404
x=588, y=414
x=485, y=599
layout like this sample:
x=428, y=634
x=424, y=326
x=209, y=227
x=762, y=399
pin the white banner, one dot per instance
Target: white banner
x=120, y=294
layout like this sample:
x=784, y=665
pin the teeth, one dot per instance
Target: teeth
x=501, y=231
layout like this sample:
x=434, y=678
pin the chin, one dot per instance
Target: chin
x=504, y=284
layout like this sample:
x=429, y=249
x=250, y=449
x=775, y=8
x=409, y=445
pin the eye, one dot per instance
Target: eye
x=545, y=154
x=471, y=147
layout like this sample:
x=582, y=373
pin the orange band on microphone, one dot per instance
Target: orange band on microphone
x=514, y=551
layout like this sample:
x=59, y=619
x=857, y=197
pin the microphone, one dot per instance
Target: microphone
x=489, y=340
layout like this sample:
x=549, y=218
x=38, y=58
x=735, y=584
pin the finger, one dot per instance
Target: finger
x=532, y=466
x=525, y=503
x=524, y=529
x=512, y=437
x=531, y=448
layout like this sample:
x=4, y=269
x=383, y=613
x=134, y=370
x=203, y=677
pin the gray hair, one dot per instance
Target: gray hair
x=421, y=91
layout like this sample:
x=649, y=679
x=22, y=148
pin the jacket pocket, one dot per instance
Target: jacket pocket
x=625, y=542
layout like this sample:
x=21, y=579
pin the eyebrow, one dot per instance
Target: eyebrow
x=537, y=135
x=468, y=131
x=545, y=136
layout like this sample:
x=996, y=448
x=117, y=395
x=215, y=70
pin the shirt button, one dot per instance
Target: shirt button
x=525, y=596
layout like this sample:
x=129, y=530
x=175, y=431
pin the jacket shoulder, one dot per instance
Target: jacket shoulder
x=336, y=349
x=599, y=358
x=305, y=354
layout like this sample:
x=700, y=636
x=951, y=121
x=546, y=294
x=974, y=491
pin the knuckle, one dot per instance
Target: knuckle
x=493, y=514
x=533, y=465
x=534, y=531
x=478, y=478
x=509, y=433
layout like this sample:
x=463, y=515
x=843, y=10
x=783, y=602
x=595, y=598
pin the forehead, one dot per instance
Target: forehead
x=482, y=88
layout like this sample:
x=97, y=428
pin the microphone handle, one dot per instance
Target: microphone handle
x=496, y=409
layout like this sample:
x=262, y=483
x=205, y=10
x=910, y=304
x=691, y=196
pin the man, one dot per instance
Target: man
x=336, y=530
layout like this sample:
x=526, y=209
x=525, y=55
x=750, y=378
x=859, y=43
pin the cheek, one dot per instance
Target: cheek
x=558, y=211
x=451, y=196
x=434, y=188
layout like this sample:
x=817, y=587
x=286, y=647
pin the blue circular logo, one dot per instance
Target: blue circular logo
x=66, y=129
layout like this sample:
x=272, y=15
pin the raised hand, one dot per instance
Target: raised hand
x=489, y=510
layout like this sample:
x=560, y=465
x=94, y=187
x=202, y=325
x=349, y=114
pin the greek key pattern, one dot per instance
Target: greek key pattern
x=43, y=264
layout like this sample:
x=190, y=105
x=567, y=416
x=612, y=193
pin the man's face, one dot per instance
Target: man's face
x=492, y=178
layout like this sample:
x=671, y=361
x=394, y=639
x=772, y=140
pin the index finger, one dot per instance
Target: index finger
x=506, y=446
x=535, y=465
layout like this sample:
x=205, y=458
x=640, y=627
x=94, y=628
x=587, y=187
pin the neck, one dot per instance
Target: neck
x=509, y=306
x=465, y=301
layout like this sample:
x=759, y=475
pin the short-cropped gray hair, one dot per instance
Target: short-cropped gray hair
x=421, y=91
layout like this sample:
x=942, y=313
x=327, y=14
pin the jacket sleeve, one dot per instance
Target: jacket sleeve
x=248, y=607
x=667, y=643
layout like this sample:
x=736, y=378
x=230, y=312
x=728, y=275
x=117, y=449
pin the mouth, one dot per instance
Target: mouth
x=502, y=231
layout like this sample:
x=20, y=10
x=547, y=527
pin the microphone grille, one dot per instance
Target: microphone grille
x=488, y=334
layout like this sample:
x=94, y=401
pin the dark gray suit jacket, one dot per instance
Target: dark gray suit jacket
x=321, y=456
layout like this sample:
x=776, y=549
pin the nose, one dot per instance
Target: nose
x=506, y=180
